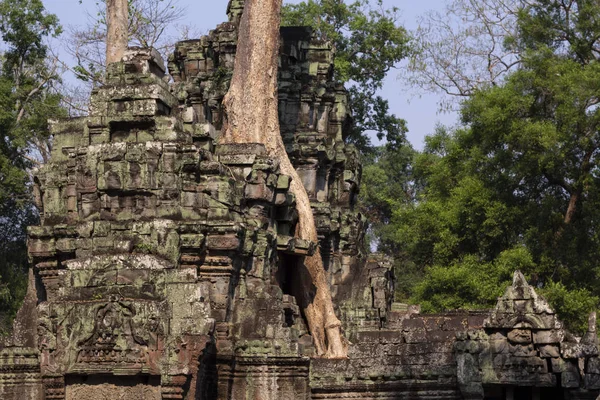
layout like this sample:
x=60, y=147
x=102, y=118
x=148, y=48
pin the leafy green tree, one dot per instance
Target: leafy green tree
x=14, y=219
x=573, y=305
x=388, y=185
x=521, y=176
x=469, y=282
x=27, y=101
x=368, y=43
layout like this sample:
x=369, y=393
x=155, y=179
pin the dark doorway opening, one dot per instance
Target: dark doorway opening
x=501, y=392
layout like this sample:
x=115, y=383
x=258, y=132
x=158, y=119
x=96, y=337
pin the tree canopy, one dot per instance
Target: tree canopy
x=517, y=185
x=28, y=99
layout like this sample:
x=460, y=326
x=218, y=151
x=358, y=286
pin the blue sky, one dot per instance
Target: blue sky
x=421, y=112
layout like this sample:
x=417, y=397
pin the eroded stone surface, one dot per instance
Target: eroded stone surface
x=164, y=265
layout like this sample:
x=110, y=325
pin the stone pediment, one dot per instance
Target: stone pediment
x=101, y=335
x=523, y=343
x=522, y=307
x=121, y=334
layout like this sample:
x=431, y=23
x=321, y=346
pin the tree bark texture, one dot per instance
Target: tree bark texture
x=251, y=116
x=572, y=208
x=117, y=19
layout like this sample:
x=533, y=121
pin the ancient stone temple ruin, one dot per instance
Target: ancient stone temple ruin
x=161, y=268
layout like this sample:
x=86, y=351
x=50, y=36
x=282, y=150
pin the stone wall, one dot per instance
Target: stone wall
x=519, y=349
x=164, y=262
x=524, y=344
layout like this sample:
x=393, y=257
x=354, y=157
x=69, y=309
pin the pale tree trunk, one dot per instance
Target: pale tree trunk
x=117, y=19
x=572, y=208
x=252, y=117
x=577, y=191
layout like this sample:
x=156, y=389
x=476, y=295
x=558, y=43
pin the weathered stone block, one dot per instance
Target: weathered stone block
x=413, y=323
x=101, y=228
x=592, y=381
x=561, y=365
x=549, y=351
x=499, y=346
x=569, y=379
x=571, y=350
x=520, y=350
x=548, y=337
x=222, y=242
x=66, y=245
x=102, y=243
x=42, y=247
x=192, y=240
x=440, y=336
x=520, y=336
x=283, y=182
x=418, y=335
x=259, y=192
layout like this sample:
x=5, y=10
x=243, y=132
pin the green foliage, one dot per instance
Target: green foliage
x=573, y=305
x=469, y=282
x=387, y=185
x=516, y=187
x=13, y=260
x=145, y=248
x=387, y=181
x=368, y=44
x=27, y=101
x=473, y=207
x=23, y=25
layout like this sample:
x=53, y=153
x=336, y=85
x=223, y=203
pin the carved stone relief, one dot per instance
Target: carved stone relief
x=109, y=391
